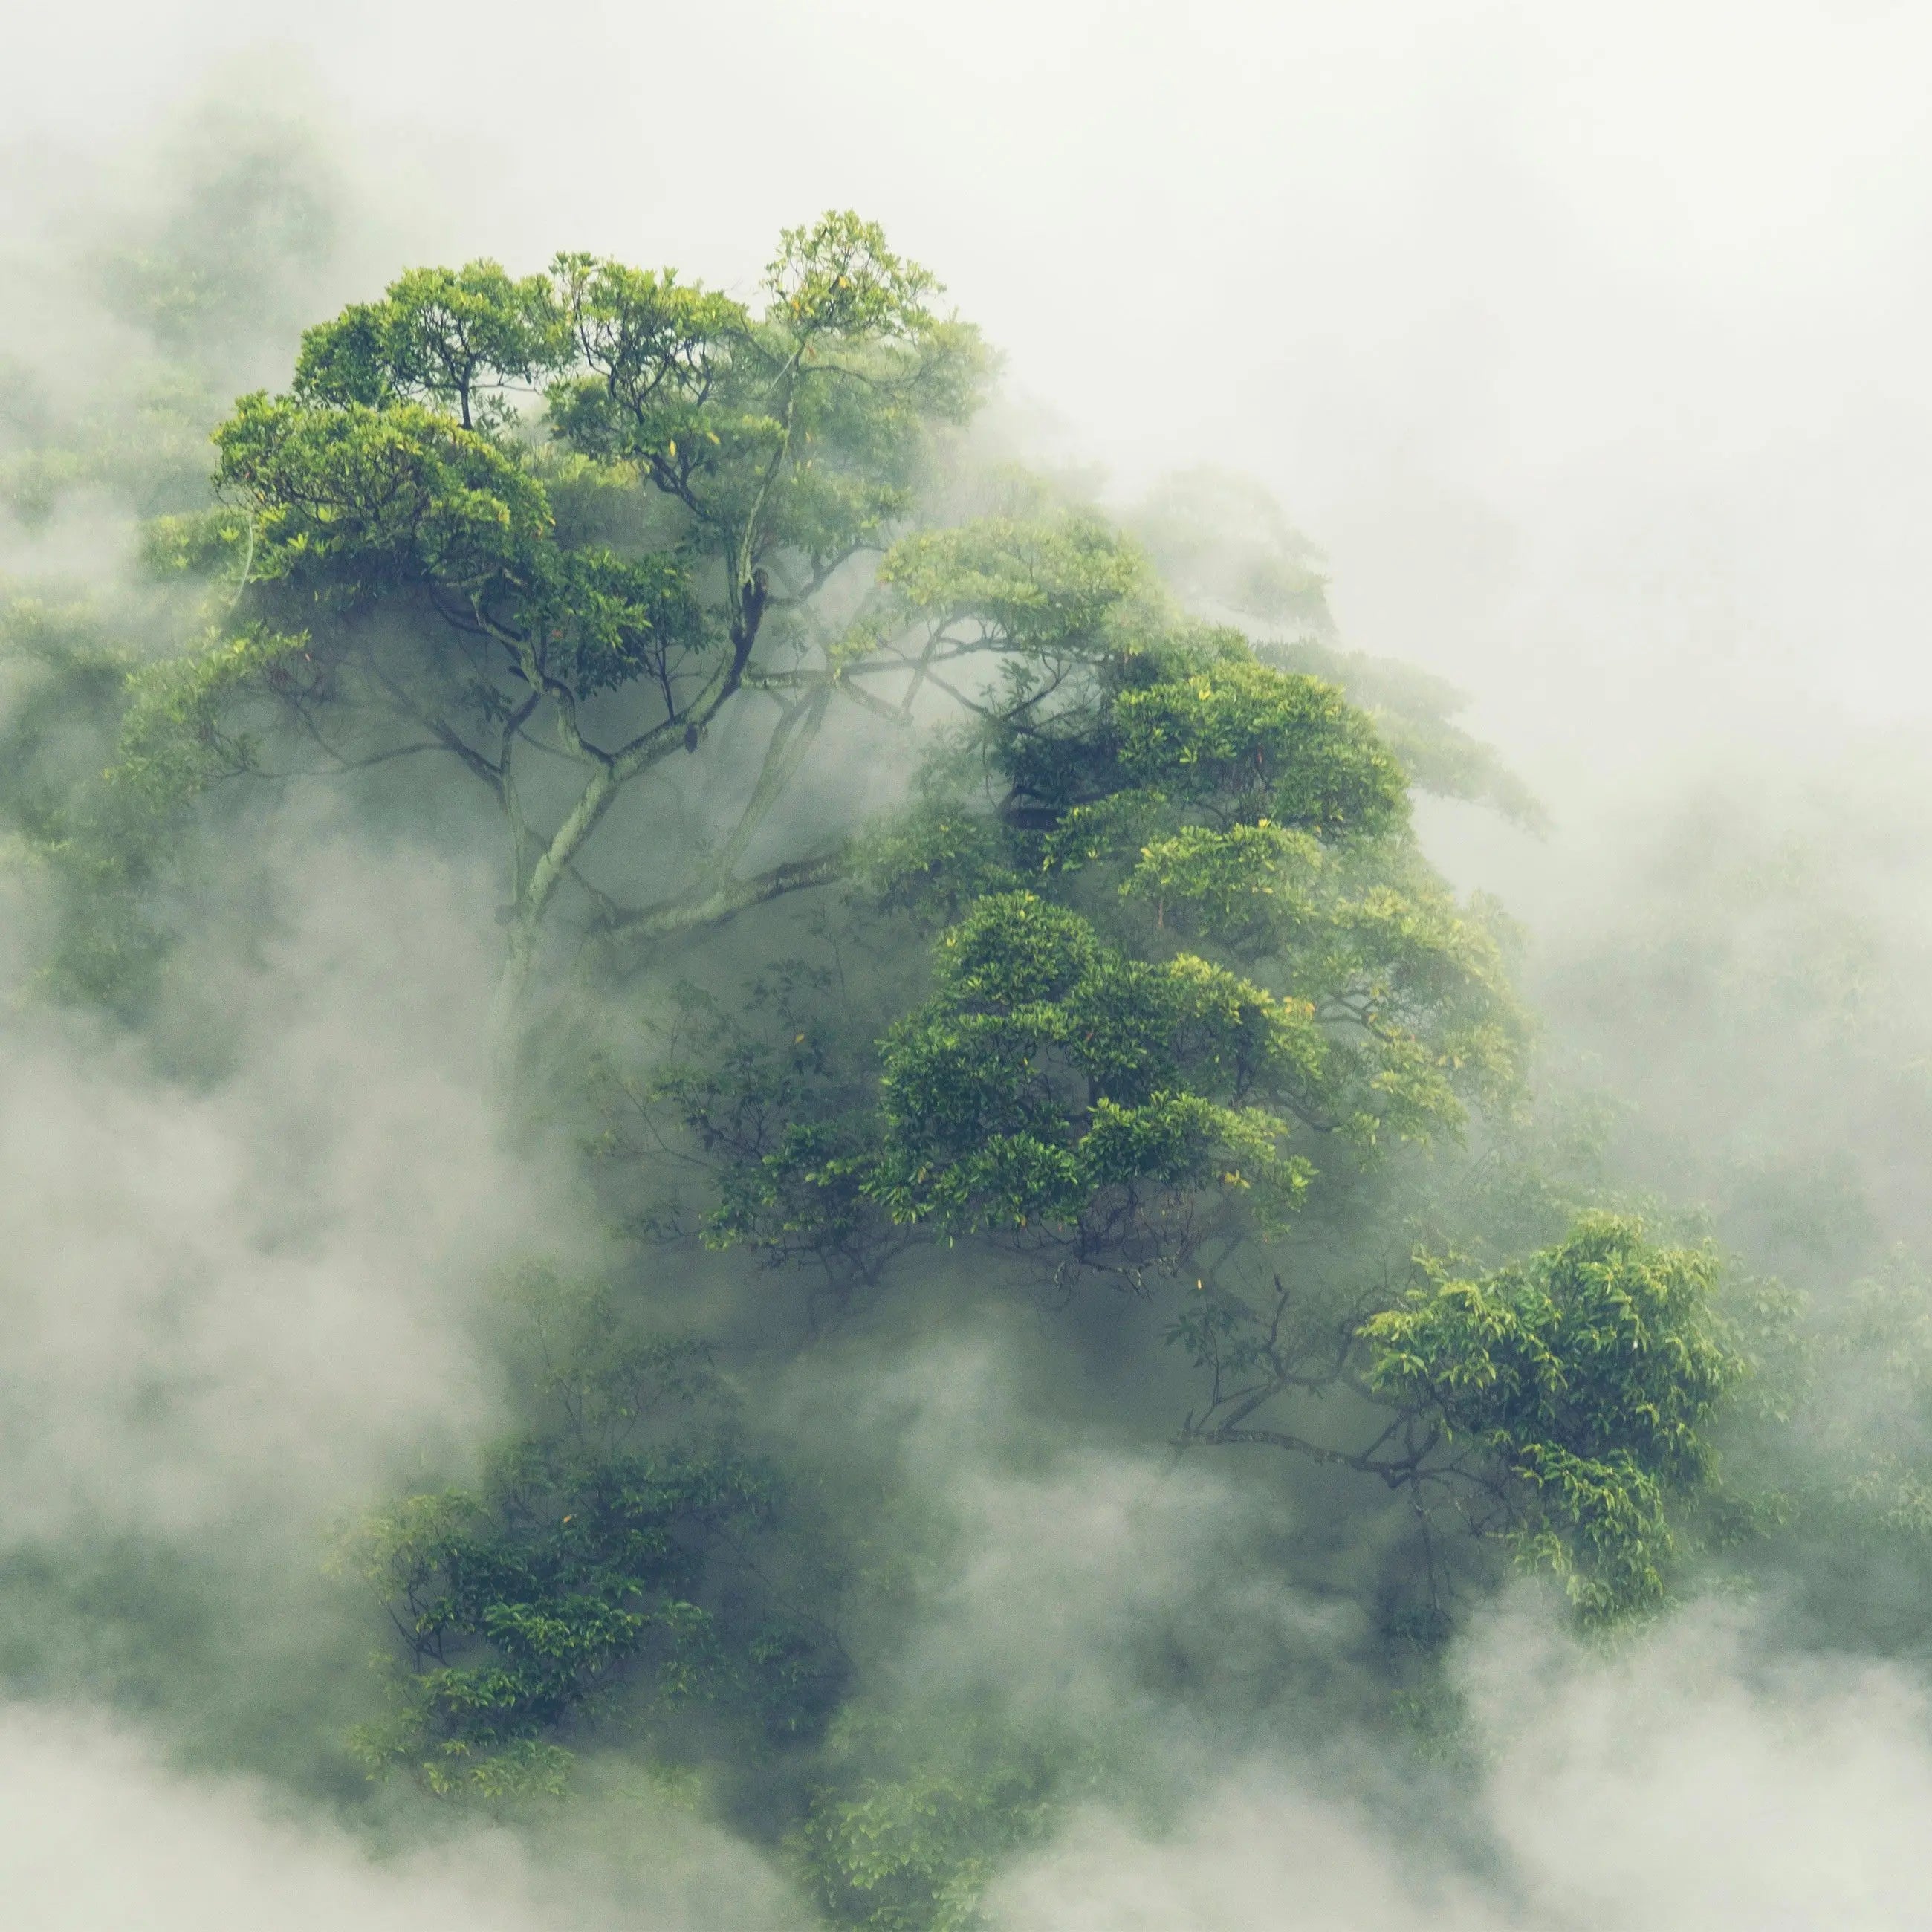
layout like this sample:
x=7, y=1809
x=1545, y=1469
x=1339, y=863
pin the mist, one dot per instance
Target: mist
x=1553, y=386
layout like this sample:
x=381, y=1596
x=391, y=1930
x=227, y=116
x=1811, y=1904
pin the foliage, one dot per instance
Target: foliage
x=1189, y=941
x=227, y=259
x=1224, y=544
x=99, y=848
x=581, y=1579
x=443, y=572
x=1053, y=1079
x=1228, y=552
x=766, y=1108
x=1587, y=1377
x=1193, y=975
x=109, y=424
x=1415, y=713
x=1147, y=983
x=914, y=1853
x=1877, y=1341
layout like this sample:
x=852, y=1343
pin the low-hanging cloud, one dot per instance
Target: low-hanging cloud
x=258, y=1286
x=101, y=1831
x=1692, y=1778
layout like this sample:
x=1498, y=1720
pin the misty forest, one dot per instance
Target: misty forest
x=776, y=1173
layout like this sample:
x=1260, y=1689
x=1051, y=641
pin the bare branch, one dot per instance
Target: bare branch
x=690, y=912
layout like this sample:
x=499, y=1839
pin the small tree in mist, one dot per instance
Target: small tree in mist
x=914, y=1853
x=1561, y=1404
x=138, y=333
x=605, y=1568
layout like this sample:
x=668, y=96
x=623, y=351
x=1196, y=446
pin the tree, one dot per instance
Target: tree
x=1156, y=971
x=559, y=528
x=1191, y=969
x=1561, y=1403
x=587, y=1575
x=1186, y=939
x=914, y=1853
x=1145, y=997
x=425, y=568
x=92, y=846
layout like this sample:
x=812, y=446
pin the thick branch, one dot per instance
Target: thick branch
x=797, y=729
x=692, y=911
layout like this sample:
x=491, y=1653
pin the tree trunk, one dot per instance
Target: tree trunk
x=502, y=1028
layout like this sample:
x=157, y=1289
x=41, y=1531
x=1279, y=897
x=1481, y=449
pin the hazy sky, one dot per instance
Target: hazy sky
x=1589, y=341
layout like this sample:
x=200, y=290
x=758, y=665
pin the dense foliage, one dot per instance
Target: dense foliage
x=921, y=888
x=583, y=1578
x=417, y=574
x=1586, y=1380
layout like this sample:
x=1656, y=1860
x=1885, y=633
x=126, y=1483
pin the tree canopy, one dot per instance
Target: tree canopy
x=1185, y=967
x=421, y=571
x=914, y=876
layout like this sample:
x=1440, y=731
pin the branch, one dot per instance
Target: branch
x=437, y=729
x=347, y=764
x=864, y=699
x=665, y=737
x=1407, y=1469
x=796, y=729
x=690, y=911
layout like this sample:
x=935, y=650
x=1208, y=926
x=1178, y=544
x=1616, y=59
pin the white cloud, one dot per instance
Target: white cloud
x=1680, y=1783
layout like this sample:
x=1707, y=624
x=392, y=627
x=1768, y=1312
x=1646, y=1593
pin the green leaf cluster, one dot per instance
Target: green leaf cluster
x=1590, y=1374
x=1052, y=1078
x=457, y=339
x=578, y=514
x=1191, y=936
x=99, y=850
x=914, y=1853
x=582, y=1578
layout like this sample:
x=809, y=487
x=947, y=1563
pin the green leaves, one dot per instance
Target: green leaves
x=101, y=848
x=1194, y=726
x=1258, y=888
x=1414, y=714
x=455, y=339
x=358, y=505
x=806, y=428
x=716, y=468
x=1248, y=743
x=838, y=277
x=583, y=1576
x=521, y=1603
x=1052, y=1079
x=184, y=729
x=392, y=463
x=1189, y=941
x=1063, y=585
x=1589, y=1374
x=1246, y=812
x=914, y=1853
x=652, y=355
x=601, y=620
x=355, y=501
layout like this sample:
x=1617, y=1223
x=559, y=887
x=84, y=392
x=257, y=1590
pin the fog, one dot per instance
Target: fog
x=1585, y=351
x=1671, y=1791
x=1588, y=348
